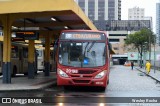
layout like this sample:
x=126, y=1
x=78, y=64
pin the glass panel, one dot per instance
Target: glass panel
x=39, y=53
x=14, y=52
x=82, y=54
x=25, y=52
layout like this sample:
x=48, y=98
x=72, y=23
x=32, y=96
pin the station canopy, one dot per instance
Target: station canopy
x=45, y=15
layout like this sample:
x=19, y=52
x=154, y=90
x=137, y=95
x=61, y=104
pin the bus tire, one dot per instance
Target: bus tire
x=26, y=73
x=67, y=88
x=102, y=89
x=14, y=71
x=50, y=67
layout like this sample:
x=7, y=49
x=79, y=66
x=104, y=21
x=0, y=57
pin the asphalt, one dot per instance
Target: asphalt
x=40, y=82
x=22, y=83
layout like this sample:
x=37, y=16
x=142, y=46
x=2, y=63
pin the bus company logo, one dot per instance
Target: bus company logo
x=81, y=75
x=6, y=100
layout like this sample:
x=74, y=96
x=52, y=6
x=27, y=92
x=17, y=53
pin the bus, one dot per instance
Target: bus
x=82, y=58
x=19, y=58
x=40, y=59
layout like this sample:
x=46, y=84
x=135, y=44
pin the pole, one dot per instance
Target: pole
x=149, y=48
x=154, y=54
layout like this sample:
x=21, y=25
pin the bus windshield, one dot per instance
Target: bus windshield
x=82, y=54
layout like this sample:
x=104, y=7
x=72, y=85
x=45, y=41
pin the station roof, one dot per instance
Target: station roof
x=37, y=14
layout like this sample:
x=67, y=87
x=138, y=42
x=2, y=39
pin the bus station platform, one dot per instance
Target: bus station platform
x=154, y=74
x=22, y=83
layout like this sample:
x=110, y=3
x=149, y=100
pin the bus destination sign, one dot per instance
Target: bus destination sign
x=27, y=35
x=83, y=36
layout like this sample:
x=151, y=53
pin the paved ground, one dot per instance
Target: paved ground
x=23, y=83
x=124, y=86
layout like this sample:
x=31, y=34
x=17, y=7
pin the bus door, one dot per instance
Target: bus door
x=24, y=59
x=36, y=61
x=1, y=60
x=54, y=55
x=15, y=60
x=20, y=61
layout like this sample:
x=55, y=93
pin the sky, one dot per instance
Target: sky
x=148, y=5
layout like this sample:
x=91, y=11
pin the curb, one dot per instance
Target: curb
x=149, y=75
x=32, y=89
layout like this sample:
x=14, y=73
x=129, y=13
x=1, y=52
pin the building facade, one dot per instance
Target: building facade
x=158, y=22
x=99, y=11
x=136, y=13
x=119, y=29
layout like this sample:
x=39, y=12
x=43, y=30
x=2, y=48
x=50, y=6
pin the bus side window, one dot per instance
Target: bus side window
x=14, y=52
x=25, y=52
x=109, y=46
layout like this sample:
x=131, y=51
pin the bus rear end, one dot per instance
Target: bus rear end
x=83, y=59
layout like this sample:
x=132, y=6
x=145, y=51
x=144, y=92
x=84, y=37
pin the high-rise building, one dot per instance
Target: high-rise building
x=158, y=22
x=101, y=10
x=136, y=13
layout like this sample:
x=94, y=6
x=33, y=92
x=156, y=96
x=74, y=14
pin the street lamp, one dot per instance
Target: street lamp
x=154, y=53
x=144, y=53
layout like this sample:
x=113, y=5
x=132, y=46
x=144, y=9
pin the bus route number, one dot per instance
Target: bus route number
x=73, y=71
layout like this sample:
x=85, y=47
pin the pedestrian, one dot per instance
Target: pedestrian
x=148, y=67
x=132, y=64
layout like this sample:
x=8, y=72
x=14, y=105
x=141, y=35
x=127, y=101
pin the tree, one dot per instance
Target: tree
x=138, y=39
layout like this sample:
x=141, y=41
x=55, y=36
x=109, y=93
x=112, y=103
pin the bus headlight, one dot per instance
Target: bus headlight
x=62, y=73
x=100, y=75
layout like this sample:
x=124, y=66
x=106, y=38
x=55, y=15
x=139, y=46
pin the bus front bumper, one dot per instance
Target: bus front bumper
x=82, y=81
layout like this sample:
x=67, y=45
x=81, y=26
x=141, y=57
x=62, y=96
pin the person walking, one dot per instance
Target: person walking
x=132, y=64
x=148, y=67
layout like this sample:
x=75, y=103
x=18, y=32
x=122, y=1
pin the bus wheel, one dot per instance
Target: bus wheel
x=26, y=73
x=102, y=89
x=67, y=88
x=14, y=71
x=50, y=67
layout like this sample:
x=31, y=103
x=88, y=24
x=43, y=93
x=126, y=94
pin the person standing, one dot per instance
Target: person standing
x=132, y=64
x=148, y=67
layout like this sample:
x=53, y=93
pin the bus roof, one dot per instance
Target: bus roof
x=85, y=31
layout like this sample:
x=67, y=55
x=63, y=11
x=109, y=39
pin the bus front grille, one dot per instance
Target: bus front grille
x=86, y=71
x=79, y=76
x=81, y=81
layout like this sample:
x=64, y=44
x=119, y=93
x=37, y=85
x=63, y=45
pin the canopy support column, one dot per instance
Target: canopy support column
x=47, y=55
x=31, y=51
x=6, y=70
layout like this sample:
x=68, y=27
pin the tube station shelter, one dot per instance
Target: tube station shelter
x=46, y=17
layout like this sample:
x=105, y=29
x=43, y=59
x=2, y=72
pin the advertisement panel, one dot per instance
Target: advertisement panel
x=133, y=56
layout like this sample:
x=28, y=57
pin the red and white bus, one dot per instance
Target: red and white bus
x=82, y=58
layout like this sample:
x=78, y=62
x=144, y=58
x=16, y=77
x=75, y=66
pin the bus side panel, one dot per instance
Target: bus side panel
x=15, y=63
x=40, y=61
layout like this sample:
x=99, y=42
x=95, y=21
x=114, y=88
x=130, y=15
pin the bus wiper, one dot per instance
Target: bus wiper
x=84, y=54
x=91, y=46
x=85, y=49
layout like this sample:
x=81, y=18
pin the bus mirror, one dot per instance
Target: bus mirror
x=110, y=46
x=55, y=43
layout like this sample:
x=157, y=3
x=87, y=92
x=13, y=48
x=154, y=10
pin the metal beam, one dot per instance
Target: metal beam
x=48, y=24
x=42, y=14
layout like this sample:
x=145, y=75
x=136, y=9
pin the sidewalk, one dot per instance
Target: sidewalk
x=21, y=83
x=153, y=75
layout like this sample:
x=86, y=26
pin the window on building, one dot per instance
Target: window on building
x=116, y=48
